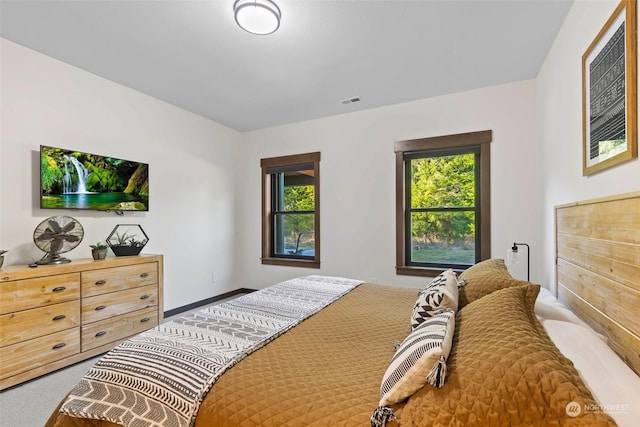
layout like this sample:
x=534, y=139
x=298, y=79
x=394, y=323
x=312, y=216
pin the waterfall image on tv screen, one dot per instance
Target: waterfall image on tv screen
x=77, y=180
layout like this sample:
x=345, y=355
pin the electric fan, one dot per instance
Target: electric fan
x=57, y=235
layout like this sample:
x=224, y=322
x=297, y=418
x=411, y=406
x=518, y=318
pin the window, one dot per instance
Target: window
x=291, y=210
x=443, y=203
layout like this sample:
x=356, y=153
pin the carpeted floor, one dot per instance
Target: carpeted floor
x=30, y=404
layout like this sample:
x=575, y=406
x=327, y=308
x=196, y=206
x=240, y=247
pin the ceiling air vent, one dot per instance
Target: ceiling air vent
x=350, y=100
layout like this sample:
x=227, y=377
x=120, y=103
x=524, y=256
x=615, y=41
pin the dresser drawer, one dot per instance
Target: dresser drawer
x=38, y=352
x=119, y=327
x=31, y=293
x=27, y=324
x=102, y=307
x=98, y=282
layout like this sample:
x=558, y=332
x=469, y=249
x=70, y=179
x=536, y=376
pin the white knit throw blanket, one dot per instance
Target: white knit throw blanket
x=159, y=377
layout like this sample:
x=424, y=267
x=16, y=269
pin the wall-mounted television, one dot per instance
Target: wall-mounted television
x=72, y=179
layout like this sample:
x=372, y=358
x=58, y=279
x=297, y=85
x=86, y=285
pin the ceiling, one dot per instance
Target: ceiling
x=190, y=53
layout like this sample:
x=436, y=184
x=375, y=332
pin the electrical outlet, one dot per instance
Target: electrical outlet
x=214, y=279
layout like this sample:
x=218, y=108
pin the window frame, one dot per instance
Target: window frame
x=478, y=140
x=268, y=244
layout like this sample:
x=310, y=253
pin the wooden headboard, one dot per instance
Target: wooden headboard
x=598, y=268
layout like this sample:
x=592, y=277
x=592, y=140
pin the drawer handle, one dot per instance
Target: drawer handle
x=58, y=346
x=144, y=275
x=100, y=282
x=145, y=296
x=144, y=320
x=59, y=317
x=101, y=334
x=59, y=288
x=100, y=307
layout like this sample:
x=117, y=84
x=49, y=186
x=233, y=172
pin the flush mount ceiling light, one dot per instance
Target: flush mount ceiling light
x=257, y=16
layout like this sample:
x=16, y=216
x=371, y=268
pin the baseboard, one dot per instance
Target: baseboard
x=207, y=301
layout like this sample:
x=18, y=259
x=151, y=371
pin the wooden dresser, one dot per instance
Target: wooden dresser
x=53, y=316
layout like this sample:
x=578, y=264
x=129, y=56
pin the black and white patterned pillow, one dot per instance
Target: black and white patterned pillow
x=420, y=359
x=442, y=292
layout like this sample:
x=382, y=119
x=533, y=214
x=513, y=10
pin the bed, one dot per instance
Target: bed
x=489, y=360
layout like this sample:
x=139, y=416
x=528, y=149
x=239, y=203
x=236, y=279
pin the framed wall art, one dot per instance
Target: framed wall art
x=609, y=93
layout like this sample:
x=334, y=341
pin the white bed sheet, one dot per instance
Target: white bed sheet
x=614, y=385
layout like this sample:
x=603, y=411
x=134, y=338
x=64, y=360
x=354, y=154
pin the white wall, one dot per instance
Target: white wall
x=357, y=179
x=559, y=107
x=192, y=169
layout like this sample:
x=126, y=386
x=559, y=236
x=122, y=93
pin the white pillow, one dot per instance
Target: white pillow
x=421, y=358
x=613, y=384
x=441, y=292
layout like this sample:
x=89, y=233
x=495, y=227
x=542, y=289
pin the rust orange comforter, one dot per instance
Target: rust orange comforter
x=502, y=370
x=326, y=370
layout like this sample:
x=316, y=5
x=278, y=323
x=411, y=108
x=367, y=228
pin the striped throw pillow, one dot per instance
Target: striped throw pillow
x=421, y=358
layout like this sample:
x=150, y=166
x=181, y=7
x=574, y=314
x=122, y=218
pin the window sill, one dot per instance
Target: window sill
x=291, y=262
x=422, y=271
